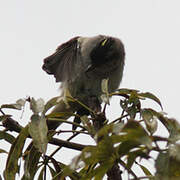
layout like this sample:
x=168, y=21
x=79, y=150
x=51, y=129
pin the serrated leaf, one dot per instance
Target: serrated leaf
x=151, y=96
x=38, y=131
x=7, y=137
x=14, y=154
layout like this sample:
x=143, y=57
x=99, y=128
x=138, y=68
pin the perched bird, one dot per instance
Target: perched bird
x=81, y=64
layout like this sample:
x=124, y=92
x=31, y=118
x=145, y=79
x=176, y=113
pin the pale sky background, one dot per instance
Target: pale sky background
x=31, y=31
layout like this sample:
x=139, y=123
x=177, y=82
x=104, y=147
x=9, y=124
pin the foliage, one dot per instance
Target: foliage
x=121, y=143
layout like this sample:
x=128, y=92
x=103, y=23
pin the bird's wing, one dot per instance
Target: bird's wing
x=61, y=63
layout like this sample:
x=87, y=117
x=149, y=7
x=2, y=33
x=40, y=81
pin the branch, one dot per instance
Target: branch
x=114, y=173
x=67, y=144
x=13, y=125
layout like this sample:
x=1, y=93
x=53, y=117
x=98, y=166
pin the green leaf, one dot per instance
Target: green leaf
x=4, y=117
x=145, y=170
x=105, y=150
x=31, y=163
x=3, y=151
x=18, y=105
x=86, y=124
x=151, y=96
x=89, y=155
x=134, y=154
x=11, y=106
x=38, y=131
x=127, y=146
x=105, y=98
x=53, y=173
x=68, y=171
x=101, y=171
x=52, y=102
x=167, y=167
x=40, y=177
x=126, y=91
x=60, y=115
x=150, y=120
x=104, y=87
x=77, y=102
x=7, y=137
x=174, y=152
x=135, y=132
x=171, y=124
x=14, y=154
x=21, y=102
x=174, y=129
x=98, y=172
x=105, y=130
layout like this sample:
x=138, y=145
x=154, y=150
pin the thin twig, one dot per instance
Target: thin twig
x=74, y=135
x=67, y=144
x=128, y=169
x=144, y=177
x=65, y=121
x=2, y=112
x=13, y=125
x=72, y=131
x=120, y=118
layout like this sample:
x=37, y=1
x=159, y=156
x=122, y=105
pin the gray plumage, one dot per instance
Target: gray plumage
x=81, y=63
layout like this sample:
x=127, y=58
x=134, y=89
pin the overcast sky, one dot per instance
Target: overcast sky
x=149, y=29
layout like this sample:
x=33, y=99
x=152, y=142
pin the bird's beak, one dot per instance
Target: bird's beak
x=104, y=42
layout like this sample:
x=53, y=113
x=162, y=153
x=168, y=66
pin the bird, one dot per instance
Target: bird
x=80, y=64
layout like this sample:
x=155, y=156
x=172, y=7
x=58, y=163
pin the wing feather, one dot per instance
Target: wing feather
x=61, y=63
